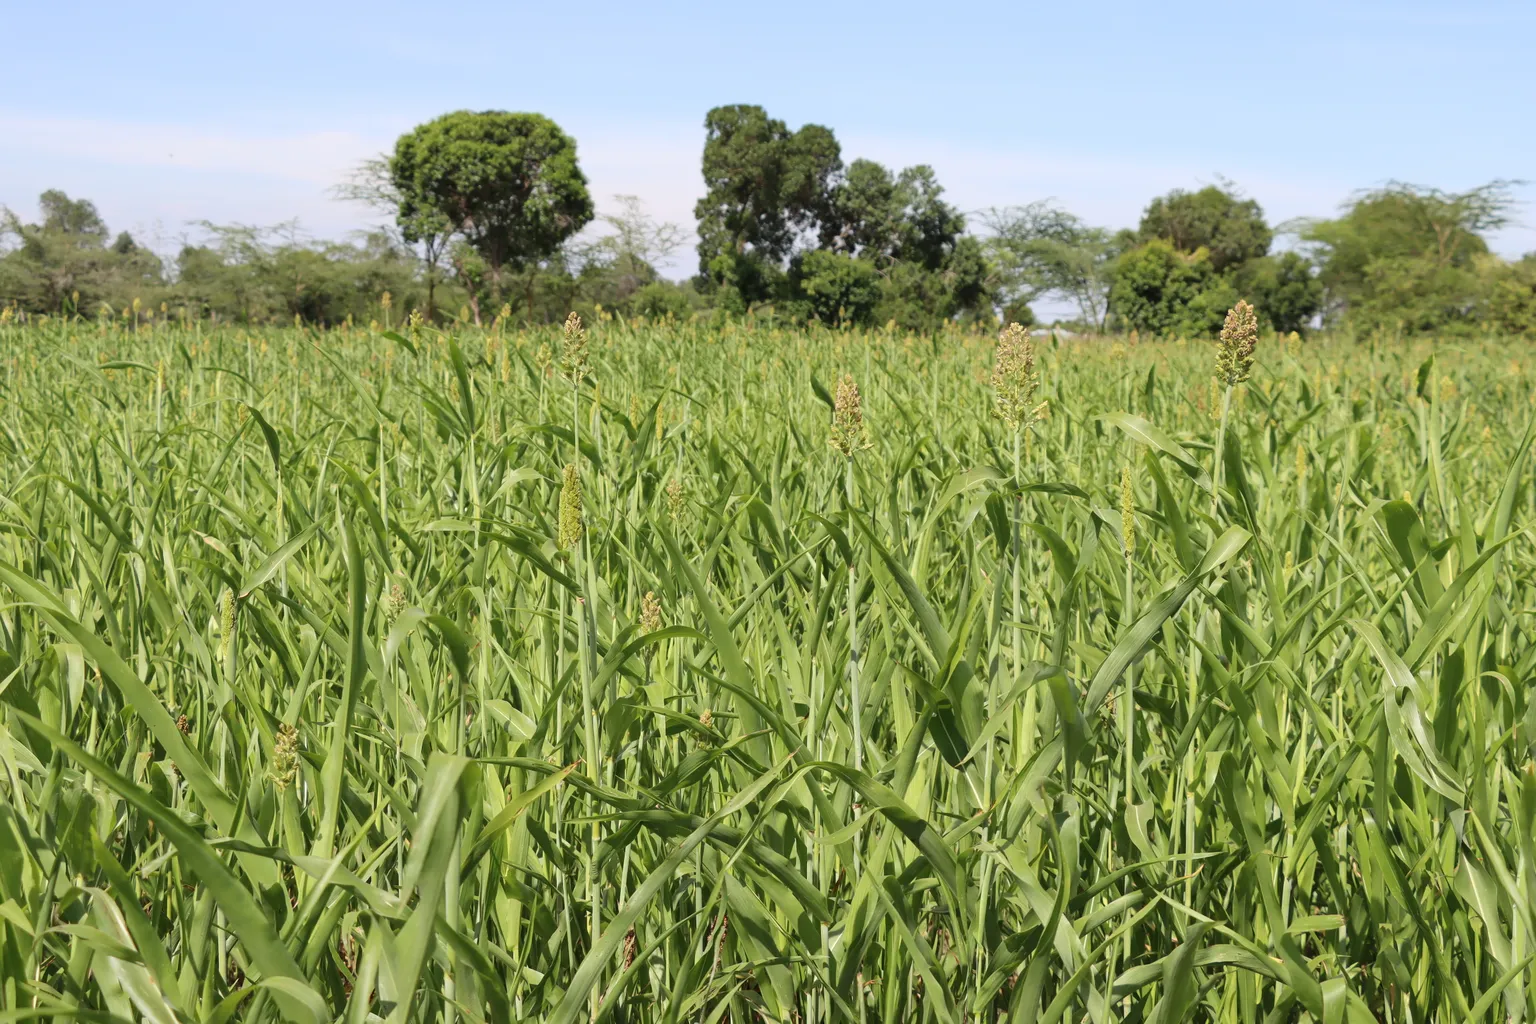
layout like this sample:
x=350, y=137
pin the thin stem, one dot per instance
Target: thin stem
x=855, y=697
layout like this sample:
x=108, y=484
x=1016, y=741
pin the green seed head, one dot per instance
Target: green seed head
x=1127, y=512
x=285, y=757
x=650, y=612
x=1234, y=349
x=848, y=434
x=1015, y=377
x=573, y=351
x=226, y=623
x=675, y=499
x=570, y=508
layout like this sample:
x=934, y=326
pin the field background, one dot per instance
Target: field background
x=309, y=714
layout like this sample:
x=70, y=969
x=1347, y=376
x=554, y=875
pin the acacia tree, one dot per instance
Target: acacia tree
x=508, y=183
x=1041, y=251
x=1408, y=255
x=426, y=230
x=63, y=263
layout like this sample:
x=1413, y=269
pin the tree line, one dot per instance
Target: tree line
x=491, y=213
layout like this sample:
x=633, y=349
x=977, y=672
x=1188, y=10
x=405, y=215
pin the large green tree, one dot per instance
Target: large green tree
x=1231, y=229
x=1198, y=253
x=891, y=249
x=63, y=262
x=1284, y=289
x=764, y=185
x=889, y=218
x=1161, y=291
x=1510, y=306
x=1408, y=256
x=508, y=183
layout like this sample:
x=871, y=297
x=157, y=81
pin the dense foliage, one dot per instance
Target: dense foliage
x=887, y=247
x=488, y=211
x=517, y=676
x=507, y=184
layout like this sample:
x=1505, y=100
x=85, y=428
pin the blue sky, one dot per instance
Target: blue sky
x=166, y=113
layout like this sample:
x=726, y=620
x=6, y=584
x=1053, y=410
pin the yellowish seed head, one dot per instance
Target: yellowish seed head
x=848, y=434
x=570, y=508
x=675, y=499
x=1014, y=376
x=650, y=612
x=1127, y=512
x=227, y=614
x=573, y=350
x=1235, y=347
x=285, y=757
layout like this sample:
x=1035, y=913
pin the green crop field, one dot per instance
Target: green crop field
x=615, y=675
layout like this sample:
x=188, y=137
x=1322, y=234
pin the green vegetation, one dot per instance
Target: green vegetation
x=488, y=212
x=505, y=675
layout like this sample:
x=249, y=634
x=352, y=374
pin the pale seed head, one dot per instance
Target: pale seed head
x=650, y=612
x=285, y=757
x=1014, y=377
x=570, y=508
x=1127, y=512
x=226, y=622
x=675, y=499
x=573, y=350
x=1235, y=347
x=394, y=604
x=848, y=434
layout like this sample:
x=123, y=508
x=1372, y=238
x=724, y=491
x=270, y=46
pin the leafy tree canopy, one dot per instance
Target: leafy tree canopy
x=63, y=261
x=509, y=183
x=1161, y=291
x=764, y=184
x=1230, y=229
x=1409, y=256
x=889, y=218
x=1283, y=288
